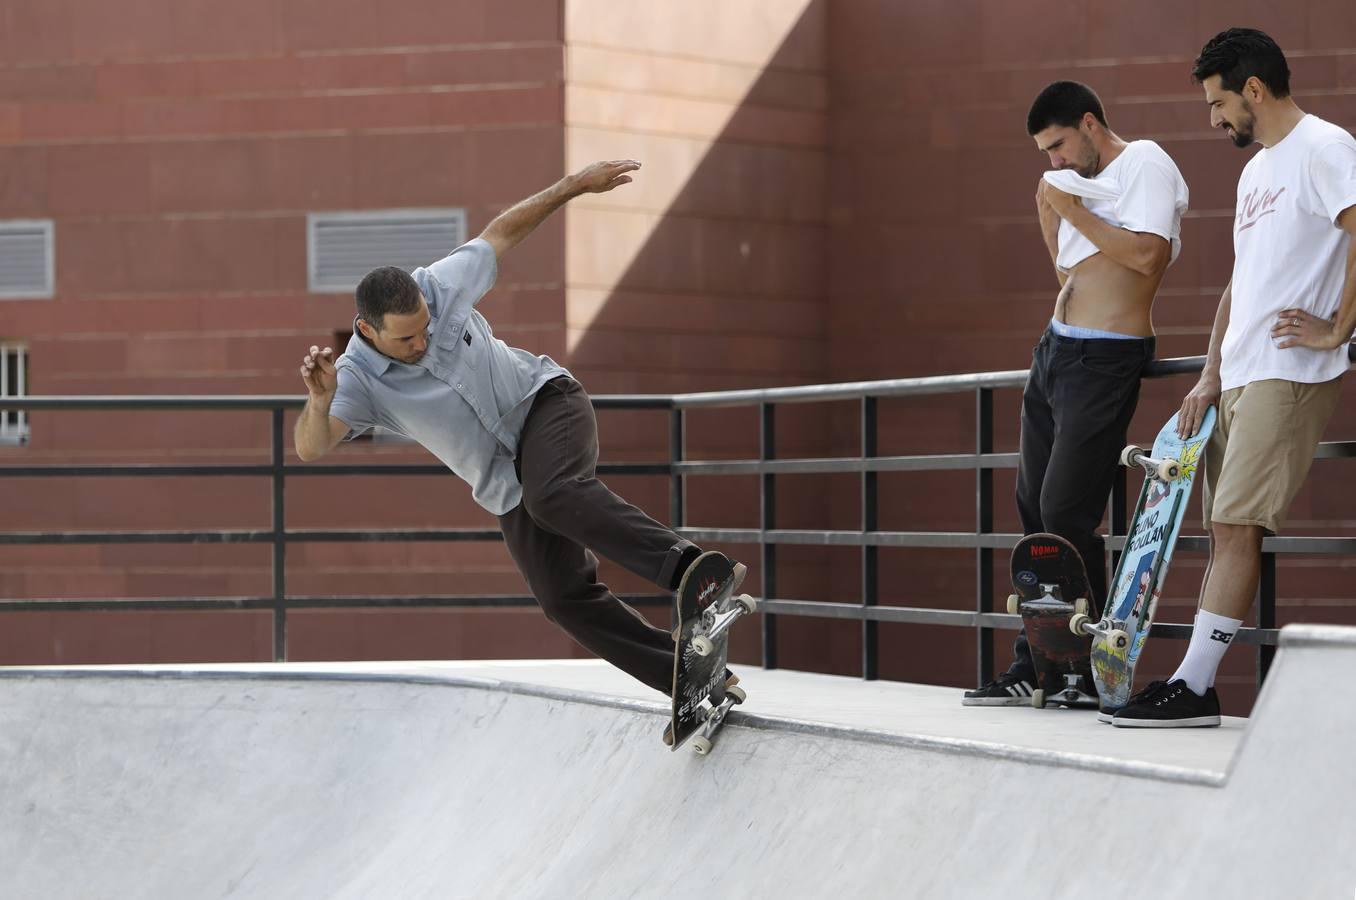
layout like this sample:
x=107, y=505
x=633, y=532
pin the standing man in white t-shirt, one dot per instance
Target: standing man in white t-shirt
x=1110, y=212
x=1277, y=351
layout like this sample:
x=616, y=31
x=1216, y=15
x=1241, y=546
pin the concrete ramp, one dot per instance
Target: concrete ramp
x=547, y=780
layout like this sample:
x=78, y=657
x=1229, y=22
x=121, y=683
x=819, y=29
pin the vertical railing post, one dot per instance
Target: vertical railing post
x=767, y=520
x=1118, y=522
x=1266, y=613
x=870, y=556
x=677, y=483
x=677, y=495
x=279, y=543
x=983, y=525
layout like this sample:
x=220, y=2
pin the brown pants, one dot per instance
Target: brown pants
x=567, y=512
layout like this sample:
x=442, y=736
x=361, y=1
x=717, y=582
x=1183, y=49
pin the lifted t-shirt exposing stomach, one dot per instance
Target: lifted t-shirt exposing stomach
x=1102, y=294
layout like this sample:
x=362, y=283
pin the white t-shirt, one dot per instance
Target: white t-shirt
x=1289, y=252
x=1140, y=190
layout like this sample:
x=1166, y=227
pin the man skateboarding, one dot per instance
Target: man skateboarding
x=1110, y=213
x=1277, y=349
x=518, y=428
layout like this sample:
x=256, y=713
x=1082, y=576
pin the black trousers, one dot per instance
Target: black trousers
x=566, y=514
x=1076, y=410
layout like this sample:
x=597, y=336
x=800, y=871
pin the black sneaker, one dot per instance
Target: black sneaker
x=1169, y=704
x=1005, y=690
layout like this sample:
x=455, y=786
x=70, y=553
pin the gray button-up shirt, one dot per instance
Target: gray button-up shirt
x=466, y=400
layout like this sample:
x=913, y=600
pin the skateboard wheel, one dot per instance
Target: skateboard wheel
x=1012, y=604
x=1118, y=640
x=1169, y=470
x=703, y=646
x=747, y=603
x=1081, y=606
x=736, y=693
x=1130, y=454
x=1077, y=621
x=1038, y=698
x=701, y=745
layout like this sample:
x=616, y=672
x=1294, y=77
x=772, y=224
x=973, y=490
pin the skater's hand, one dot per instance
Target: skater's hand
x=1297, y=328
x=317, y=370
x=1203, y=396
x=602, y=177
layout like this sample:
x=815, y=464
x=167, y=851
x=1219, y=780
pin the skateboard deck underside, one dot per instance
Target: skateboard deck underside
x=706, y=589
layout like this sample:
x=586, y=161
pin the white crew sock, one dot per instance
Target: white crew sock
x=1209, y=639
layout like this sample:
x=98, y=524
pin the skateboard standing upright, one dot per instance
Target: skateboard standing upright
x=1117, y=640
x=1051, y=584
x=705, y=607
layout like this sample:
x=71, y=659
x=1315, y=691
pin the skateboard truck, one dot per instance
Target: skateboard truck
x=1162, y=469
x=713, y=718
x=720, y=622
x=1072, y=694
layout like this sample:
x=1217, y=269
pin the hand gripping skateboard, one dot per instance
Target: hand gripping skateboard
x=706, y=607
x=1118, y=638
x=1051, y=584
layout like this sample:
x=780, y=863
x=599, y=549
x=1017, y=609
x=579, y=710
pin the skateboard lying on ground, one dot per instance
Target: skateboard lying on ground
x=1051, y=584
x=706, y=607
x=1117, y=640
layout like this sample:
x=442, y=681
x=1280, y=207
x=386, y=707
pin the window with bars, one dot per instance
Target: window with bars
x=342, y=247
x=13, y=383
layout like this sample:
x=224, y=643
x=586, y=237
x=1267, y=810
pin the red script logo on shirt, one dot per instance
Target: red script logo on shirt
x=1253, y=207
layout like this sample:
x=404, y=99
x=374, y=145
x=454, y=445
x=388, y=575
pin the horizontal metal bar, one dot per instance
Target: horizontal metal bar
x=899, y=614
x=939, y=462
x=172, y=401
x=936, y=539
x=135, y=537
x=298, y=536
x=262, y=401
x=897, y=387
x=941, y=540
x=135, y=604
x=913, y=615
x=182, y=471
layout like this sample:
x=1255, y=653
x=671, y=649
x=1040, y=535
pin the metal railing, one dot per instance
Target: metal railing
x=982, y=460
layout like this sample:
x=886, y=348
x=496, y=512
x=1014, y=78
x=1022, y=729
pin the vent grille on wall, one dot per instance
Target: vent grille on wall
x=343, y=247
x=26, y=258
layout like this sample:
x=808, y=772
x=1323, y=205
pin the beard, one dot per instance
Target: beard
x=1242, y=134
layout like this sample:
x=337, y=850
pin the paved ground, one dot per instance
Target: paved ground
x=546, y=779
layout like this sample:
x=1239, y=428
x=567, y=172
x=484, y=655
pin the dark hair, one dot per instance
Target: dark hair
x=1242, y=53
x=1063, y=103
x=386, y=290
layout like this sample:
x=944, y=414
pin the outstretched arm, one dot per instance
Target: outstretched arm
x=518, y=221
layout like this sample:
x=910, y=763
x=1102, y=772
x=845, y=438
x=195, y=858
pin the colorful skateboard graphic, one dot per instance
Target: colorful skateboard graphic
x=1170, y=470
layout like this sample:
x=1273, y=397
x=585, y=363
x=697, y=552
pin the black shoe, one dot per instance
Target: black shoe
x=1007, y=689
x=1169, y=704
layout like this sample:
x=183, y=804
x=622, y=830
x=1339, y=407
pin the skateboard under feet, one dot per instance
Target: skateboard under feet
x=706, y=607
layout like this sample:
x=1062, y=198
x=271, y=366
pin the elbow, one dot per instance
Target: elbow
x=1154, y=262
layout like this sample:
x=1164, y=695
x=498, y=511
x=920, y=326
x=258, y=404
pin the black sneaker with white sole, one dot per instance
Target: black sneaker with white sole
x=1169, y=704
x=1005, y=690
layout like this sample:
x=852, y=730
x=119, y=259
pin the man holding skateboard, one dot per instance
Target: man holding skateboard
x=1110, y=214
x=518, y=428
x=1277, y=349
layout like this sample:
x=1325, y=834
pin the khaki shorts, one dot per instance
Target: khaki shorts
x=1260, y=452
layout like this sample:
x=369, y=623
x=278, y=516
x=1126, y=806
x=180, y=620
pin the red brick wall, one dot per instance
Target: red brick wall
x=179, y=147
